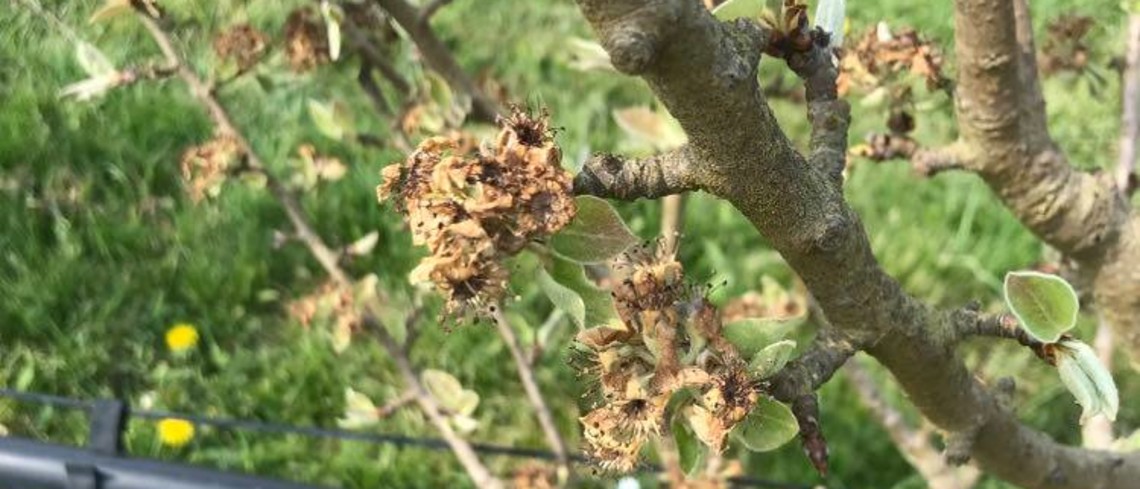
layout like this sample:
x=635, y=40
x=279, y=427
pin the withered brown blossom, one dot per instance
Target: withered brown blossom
x=243, y=44
x=669, y=341
x=874, y=59
x=534, y=476
x=206, y=166
x=306, y=42
x=1066, y=47
x=474, y=211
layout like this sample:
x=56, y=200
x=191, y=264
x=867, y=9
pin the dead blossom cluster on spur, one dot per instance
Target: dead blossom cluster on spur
x=667, y=352
x=473, y=212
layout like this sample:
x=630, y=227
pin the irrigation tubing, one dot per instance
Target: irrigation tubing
x=315, y=432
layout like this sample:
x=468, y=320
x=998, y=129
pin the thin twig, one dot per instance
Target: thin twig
x=390, y=408
x=372, y=55
x=914, y=444
x=672, y=220
x=1130, y=118
x=969, y=322
x=325, y=255
x=368, y=84
x=439, y=58
x=530, y=385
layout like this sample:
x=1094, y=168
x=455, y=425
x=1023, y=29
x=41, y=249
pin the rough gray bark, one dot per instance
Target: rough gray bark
x=1002, y=120
x=704, y=71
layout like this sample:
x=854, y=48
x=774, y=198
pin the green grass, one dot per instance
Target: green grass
x=102, y=250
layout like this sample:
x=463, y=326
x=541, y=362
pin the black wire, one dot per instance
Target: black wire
x=58, y=401
x=377, y=438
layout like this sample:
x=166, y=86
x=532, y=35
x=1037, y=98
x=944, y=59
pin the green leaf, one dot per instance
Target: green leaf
x=596, y=234
x=1088, y=380
x=750, y=336
x=332, y=29
x=599, y=303
x=829, y=16
x=588, y=55
x=451, y=395
x=563, y=297
x=769, y=426
x=359, y=411
x=92, y=60
x=692, y=452
x=771, y=359
x=331, y=119
x=1045, y=304
x=735, y=9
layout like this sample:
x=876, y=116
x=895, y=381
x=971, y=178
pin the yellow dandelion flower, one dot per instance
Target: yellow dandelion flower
x=174, y=432
x=181, y=337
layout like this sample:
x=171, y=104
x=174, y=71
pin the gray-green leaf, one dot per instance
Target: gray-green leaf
x=771, y=359
x=332, y=120
x=1088, y=380
x=596, y=234
x=769, y=426
x=750, y=336
x=563, y=297
x=1045, y=304
x=93, y=61
x=599, y=304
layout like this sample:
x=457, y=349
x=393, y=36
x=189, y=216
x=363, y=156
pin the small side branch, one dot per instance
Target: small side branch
x=610, y=176
x=830, y=116
x=968, y=322
x=806, y=411
x=926, y=162
x=439, y=58
x=326, y=256
x=374, y=58
x=530, y=385
x=1000, y=114
x=812, y=369
x=1130, y=118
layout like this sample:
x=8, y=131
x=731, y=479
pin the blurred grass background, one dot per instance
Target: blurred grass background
x=102, y=250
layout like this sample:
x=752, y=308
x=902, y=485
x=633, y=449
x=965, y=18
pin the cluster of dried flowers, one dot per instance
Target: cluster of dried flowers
x=878, y=63
x=306, y=41
x=879, y=56
x=670, y=346
x=243, y=44
x=472, y=212
x=206, y=166
x=1065, y=48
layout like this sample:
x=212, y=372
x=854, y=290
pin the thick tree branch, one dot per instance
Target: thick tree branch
x=439, y=58
x=1001, y=115
x=328, y=259
x=657, y=176
x=829, y=115
x=1032, y=101
x=704, y=72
